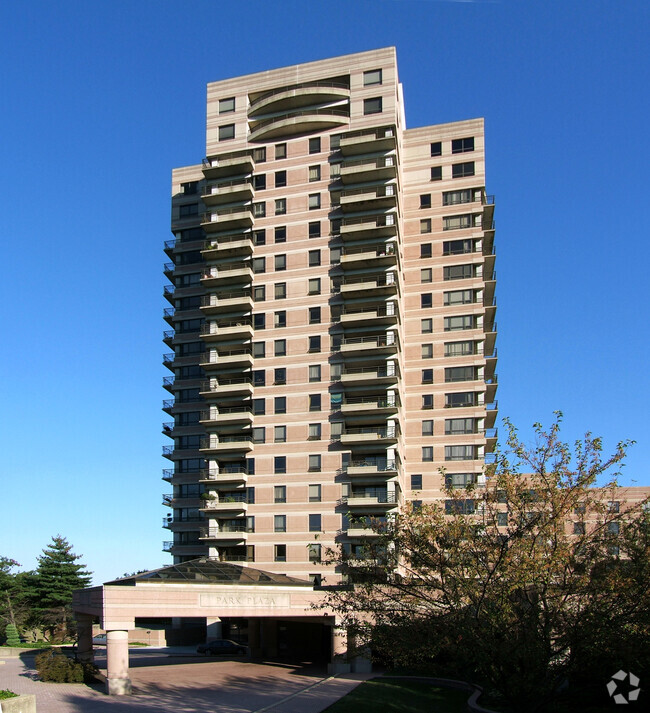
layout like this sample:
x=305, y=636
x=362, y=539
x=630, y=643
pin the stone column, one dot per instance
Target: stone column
x=213, y=628
x=254, y=645
x=84, y=637
x=118, y=682
x=269, y=637
x=339, y=662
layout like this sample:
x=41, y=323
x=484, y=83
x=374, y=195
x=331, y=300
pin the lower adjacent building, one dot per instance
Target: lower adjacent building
x=332, y=316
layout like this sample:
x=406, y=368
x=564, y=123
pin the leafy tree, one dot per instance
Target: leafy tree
x=57, y=576
x=530, y=584
x=13, y=598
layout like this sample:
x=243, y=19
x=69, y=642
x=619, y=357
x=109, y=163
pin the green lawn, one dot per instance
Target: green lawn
x=401, y=696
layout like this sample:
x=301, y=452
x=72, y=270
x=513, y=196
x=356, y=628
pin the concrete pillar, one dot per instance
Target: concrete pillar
x=118, y=682
x=84, y=637
x=254, y=643
x=269, y=637
x=339, y=662
x=213, y=628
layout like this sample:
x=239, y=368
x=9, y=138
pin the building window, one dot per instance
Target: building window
x=314, y=371
x=280, y=465
x=427, y=351
x=259, y=350
x=280, y=376
x=454, y=324
x=461, y=170
x=314, y=493
x=427, y=376
x=436, y=173
x=425, y=200
x=280, y=206
x=427, y=428
x=226, y=132
x=460, y=452
x=614, y=506
x=425, y=225
x=280, y=347
x=280, y=234
x=314, y=173
x=280, y=494
x=458, y=272
x=335, y=142
x=314, y=344
x=187, y=210
x=426, y=250
x=259, y=434
x=460, y=426
x=259, y=264
x=280, y=434
x=279, y=525
x=315, y=463
x=259, y=407
x=314, y=552
x=335, y=170
x=461, y=399
x=436, y=148
x=280, y=319
x=280, y=179
x=314, y=201
x=372, y=76
x=259, y=154
x=314, y=402
x=459, y=507
x=459, y=197
x=314, y=229
x=190, y=188
x=259, y=237
x=416, y=482
x=280, y=151
x=314, y=145
x=502, y=519
x=426, y=275
x=426, y=325
x=578, y=528
x=462, y=145
x=314, y=431
x=426, y=300
x=259, y=293
x=226, y=105
x=280, y=263
x=259, y=182
x=280, y=404
x=427, y=454
x=457, y=247
x=372, y=106
x=458, y=222
x=427, y=401
x=259, y=209
x=314, y=258
x=458, y=297
x=259, y=377
x=280, y=553
x=460, y=373
x=280, y=290
x=315, y=523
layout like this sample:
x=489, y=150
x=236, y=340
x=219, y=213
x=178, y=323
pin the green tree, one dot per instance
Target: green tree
x=13, y=597
x=57, y=576
x=528, y=584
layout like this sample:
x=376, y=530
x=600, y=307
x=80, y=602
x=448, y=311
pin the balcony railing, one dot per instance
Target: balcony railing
x=240, y=438
x=378, y=465
x=216, y=327
x=303, y=85
x=297, y=114
x=388, y=402
x=381, y=340
x=371, y=430
x=379, y=371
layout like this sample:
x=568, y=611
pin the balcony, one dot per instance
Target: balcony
x=372, y=498
x=298, y=122
x=369, y=256
x=362, y=405
x=228, y=534
x=227, y=474
x=383, y=313
x=368, y=198
x=228, y=164
x=227, y=273
x=369, y=226
x=383, y=283
x=239, y=216
x=241, y=358
x=195, y=548
x=237, y=503
x=231, y=301
x=368, y=141
x=241, y=386
x=294, y=97
x=388, y=374
x=228, y=246
x=239, y=190
x=228, y=416
x=372, y=466
x=369, y=169
x=168, y=315
x=237, y=329
x=376, y=344
x=370, y=435
x=225, y=443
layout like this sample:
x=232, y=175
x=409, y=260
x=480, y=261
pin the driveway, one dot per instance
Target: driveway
x=165, y=681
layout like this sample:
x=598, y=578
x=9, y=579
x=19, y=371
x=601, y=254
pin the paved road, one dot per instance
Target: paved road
x=188, y=684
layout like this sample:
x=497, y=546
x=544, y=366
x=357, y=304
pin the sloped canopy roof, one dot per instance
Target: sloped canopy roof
x=208, y=571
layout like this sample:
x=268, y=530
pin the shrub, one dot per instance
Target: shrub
x=4, y=694
x=57, y=668
x=11, y=632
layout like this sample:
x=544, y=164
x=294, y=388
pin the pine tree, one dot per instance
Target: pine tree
x=57, y=576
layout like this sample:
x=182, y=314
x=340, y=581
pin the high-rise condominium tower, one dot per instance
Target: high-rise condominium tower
x=332, y=316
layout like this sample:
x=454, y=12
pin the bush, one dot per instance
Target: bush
x=55, y=667
x=11, y=632
x=4, y=694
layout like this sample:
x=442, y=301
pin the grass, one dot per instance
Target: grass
x=401, y=696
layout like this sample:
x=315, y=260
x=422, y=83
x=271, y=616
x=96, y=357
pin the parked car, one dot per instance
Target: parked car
x=221, y=647
x=100, y=640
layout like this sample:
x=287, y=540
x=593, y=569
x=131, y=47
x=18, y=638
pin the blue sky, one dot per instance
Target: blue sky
x=102, y=100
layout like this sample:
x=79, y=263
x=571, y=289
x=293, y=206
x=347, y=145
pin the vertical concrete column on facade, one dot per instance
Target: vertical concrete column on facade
x=84, y=637
x=213, y=628
x=269, y=637
x=254, y=643
x=118, y=682
x=339, y=663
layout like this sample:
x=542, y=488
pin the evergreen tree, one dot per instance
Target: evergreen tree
x=13, y=605
x=57, y=576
